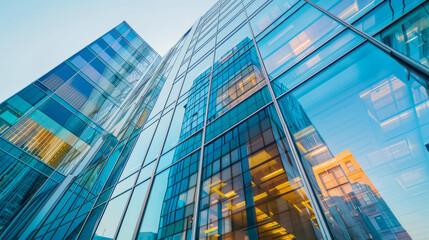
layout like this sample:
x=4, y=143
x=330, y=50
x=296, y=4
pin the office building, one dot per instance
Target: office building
x=266, y=120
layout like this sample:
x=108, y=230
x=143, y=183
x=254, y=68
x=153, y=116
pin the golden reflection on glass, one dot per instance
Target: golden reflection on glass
x=239, y=80
x=365, y=204
x=257, y=195
x=42, y=143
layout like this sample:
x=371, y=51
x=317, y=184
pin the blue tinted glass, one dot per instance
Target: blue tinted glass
x=151, y=218
x=112, y=215
x=410, y=35
x=63, y=116
x=348, y=10
x=139, y=151
x=295, y=38
x=248, y=180
x=315, y=61
x=169, y=210
x=269, y=14
x=75, y=227
x=91, y=223
x=131, y=216
x=30, y=182
x=32, y=94
x=359, y=127
x=238, y=113
x=237, y=76
x=82, y=58
x=57, y=76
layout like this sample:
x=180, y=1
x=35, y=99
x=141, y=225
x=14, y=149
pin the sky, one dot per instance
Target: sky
x=37, y=35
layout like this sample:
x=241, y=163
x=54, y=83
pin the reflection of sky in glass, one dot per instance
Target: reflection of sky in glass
x=369, y=107
x=111, y=217
x=152, y=215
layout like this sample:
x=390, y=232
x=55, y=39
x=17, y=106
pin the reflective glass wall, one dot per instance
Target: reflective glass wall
x=270, y=120
x=48, y=128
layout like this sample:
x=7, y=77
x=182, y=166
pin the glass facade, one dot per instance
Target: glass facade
x=50, y=129
x=267, y=120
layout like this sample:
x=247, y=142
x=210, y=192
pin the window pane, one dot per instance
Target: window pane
x=317, y=60
x=295, y=38
x=138, y=153
x=410, y=35
x=83, y=96
x=250, y=187
x=169, y=210
x=237, y=75
x=269, y=14
x=57, y=76
x=361, y=127
x=134, y=207
x=112, y=215
x=19, y=104
x=348, y=10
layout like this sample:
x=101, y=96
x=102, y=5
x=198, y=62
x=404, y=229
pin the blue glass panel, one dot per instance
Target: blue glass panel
x=169, y=210
x=410, y=35
x=236, y=77
x=269, y=14
x=75, y=227
x=112, y=215
x=18, y=105
x=361, y=127
x=84, y=97
x=139, y=151
x=32, y=94
x=18, y=185
x=131, y=216
x=150, y=223
x=63, y=116
x=90, y=223
x=295, y=38
x=326, y=54
x=238, y=113
x=82, y=58
x=57, y=76
x=250, y=188
x=348, y=10
x=114, y=175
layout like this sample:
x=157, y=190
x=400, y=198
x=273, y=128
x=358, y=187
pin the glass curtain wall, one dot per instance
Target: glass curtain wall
x=48, y=128
x=273, y=120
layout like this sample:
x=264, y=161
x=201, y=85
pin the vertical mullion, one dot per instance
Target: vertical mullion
x=312, y=196
x=152, y=179
x=200, y=166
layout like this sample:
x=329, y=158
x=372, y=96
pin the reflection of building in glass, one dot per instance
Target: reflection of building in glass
x=267, y=120
x=347, y=193
x=254, y=189
x=240, y=77
x=236, y=76
x=342, y=177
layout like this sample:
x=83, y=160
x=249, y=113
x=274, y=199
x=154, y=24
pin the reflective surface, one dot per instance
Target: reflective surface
x=362, y=138
x=267, y=120
x=250, y=187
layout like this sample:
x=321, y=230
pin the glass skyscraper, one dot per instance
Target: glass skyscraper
x=281, y=119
